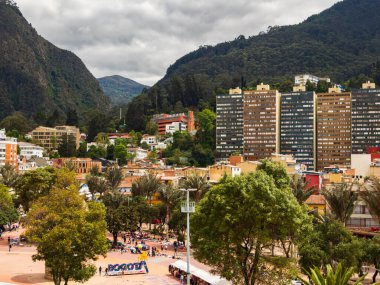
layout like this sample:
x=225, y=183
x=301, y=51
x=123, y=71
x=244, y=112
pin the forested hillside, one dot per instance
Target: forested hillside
x=342, y=42
x=119, y=89
x=46, y=84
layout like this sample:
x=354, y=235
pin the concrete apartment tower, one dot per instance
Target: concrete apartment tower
x=229, y=123
x=365, y=118
x=297, y=125
x=333, y=128
x=261, y=123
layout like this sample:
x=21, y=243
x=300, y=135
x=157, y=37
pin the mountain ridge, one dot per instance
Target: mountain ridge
x=121, y=90
x=338, y=42
x=39, y=79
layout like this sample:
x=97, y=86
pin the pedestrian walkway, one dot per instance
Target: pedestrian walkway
x=160, y=280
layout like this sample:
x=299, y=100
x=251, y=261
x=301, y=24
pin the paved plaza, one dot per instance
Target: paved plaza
x=17, y=267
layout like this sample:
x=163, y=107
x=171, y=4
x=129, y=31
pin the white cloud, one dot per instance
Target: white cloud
x=140, y=39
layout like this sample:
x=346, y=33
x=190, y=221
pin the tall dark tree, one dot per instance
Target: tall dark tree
x=72, y=117
x=67, y=146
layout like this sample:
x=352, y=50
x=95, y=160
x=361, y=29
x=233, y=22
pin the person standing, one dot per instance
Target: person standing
x=10, y=246
x=100, y=270
x=106, y=272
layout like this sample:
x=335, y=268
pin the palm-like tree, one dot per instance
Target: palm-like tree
x=300, y=189
x=9, y=176
x=341, y=200
x=146, y=185
x=371, y=195
x=114, y=176
x=197, y=182
x=340, y=276
x=97, y=184
x=170, y=196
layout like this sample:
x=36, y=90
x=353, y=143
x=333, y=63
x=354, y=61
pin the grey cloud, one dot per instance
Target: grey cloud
x=140, y=39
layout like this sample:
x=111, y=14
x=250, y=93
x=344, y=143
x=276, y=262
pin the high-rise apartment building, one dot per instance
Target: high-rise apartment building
x=333, y=128
x=8, y=149
x=229, y=123
x=50, y=138
x=365, y=118
x=260, y=118
x=297, y=125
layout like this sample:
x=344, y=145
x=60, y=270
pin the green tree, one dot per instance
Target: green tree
x=151, y=128
x=121, y=154
x=17, y=121
x=96, y=152
x=9, y=176
x=206, y=128
x=8, y=213
x=300, y=189
x=114, y=176
x=67, y=146
x=371, y=195
x=121, y=216
x=102, y=138
x=339, y=276
x=97, y=184
x=170, y=197
x=277, y=171
x=243, y=213
x=153, y=156
x=146, y=186
x=341, y=200
x=72, y=117
x=198, y=182
x=82, y=150
x=68, y=233
x=372, y=254
x=328, y=243
x=33, y=185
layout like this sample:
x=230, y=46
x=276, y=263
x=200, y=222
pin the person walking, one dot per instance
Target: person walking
x=106, y=272
x=10, y=246
x=100, y=270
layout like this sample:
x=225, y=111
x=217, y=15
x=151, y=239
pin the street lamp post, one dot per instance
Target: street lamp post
x=188, y=207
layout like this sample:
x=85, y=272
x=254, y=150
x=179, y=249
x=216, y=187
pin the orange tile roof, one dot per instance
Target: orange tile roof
x=316, y=200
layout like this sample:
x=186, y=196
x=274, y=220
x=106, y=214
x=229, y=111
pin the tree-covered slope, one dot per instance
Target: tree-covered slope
x=39, y=79
x=339, y=42
x=119, y=89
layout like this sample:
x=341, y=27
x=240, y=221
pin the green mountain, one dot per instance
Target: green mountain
x=119, y=89
x=340, y=42
x=45, y=83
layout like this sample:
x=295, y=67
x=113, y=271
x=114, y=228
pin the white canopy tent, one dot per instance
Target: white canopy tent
x=204, y=275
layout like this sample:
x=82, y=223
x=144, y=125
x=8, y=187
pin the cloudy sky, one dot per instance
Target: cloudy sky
x=139, y=39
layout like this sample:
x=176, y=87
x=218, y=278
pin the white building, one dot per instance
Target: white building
x=29, y=150
x=301, y=79
x=139, y=153
x=150, y=140
x=175, y=127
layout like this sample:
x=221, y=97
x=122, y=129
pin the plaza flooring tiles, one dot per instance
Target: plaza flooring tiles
x=160, y=280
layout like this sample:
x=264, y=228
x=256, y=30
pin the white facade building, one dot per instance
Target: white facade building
x=150, y=140
x=301, y=79
x=175, y=127
x=29, y=150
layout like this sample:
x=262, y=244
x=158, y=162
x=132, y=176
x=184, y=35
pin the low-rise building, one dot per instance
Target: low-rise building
x=81, y=165
x=217, y=171
x=29, y=150
x=317, y=203
x=149, y=140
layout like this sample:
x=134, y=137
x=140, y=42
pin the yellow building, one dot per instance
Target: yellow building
x=217, y=171
x=248, y=166
x=50, y=138
x=317, y=203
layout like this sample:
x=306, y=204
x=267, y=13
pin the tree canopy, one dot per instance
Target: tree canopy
x=245, y=214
